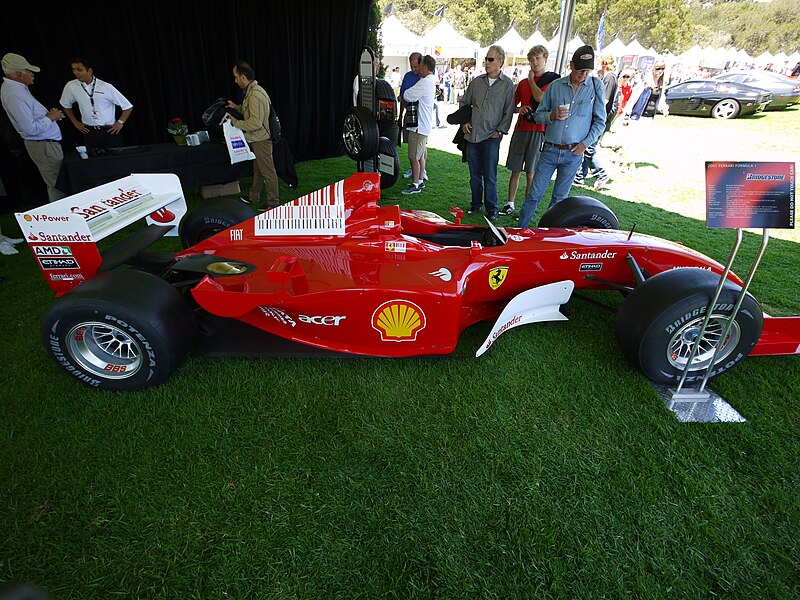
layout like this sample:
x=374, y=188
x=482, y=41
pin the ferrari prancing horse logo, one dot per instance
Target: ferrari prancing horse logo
x=497, y=276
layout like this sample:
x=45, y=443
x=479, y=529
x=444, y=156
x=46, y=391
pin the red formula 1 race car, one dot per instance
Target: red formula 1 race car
x=335, y=271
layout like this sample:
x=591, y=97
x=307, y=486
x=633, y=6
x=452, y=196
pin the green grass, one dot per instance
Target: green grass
x=546, y=468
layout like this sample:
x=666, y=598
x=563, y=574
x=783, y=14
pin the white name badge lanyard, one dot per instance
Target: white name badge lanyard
x=91, y=96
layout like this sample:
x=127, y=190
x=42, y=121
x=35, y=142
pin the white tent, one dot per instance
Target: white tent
x=397, y=39
x=537, y=39
x=574, y=44
x=513, y=44
x=444, y=41
x=763, y=58
x=616, y=48
x=634, y=48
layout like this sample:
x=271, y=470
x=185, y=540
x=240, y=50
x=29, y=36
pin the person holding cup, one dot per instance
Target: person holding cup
x=574, y=110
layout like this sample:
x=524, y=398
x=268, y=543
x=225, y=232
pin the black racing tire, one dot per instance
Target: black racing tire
x=387, y=147
x=211, y=218
x=121, y=330
x=727, y=108
x=579, y=211
x=384, y=90
x=658, y=322
x=360, y=133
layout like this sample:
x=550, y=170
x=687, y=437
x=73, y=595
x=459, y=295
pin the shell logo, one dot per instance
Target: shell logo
x=398, y=321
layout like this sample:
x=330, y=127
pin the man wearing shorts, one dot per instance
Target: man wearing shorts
x=424, y=92
x=526, y=142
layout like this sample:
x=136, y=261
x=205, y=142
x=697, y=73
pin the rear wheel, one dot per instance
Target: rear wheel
x=725, y=109
x=579, y=211
x=660, y=320
x=122, y=330
x=213, y=217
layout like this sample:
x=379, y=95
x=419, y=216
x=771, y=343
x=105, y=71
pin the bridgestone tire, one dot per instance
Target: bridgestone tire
x=360, y=133
x=387, y=147
x=660, y=319
x=121, y=330
x=579, y=211
x=213, y=217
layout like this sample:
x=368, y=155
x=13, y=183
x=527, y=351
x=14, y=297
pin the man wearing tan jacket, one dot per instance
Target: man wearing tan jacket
x=255, y=125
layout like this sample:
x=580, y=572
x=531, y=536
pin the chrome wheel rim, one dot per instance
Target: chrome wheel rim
x=680, y=345
x=726, y=109
x=105, y=350
x=351, y=132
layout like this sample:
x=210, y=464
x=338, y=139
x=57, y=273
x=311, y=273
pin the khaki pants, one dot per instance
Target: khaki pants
x=264, y=171
x=47, y=156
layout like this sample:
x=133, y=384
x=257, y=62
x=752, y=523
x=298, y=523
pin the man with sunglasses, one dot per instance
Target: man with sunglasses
x=491, y=97
x=574, y=110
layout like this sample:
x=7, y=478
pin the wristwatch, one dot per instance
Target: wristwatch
x=120, y=121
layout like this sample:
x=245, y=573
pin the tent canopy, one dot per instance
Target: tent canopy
x=512, y=43
x=445, y=41
x=537, y=39
x=397, y=39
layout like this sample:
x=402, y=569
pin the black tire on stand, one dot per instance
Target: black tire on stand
x=387, y=147
x=579, y=211
x=658, y=322
x=360, y=133
x=121, y=330
x=213, y=217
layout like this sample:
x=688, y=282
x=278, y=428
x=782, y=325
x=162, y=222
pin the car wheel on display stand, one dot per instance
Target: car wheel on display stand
x=579, y=211
x=360, y=133
x=213, y=217
x=660, y=320
x=121, y=330
x=388, y=163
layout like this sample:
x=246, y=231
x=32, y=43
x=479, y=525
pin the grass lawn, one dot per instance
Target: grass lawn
x=546, y=468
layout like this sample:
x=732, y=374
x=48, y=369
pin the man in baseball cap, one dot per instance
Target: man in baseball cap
x=15, y=62
x=574, y=110
x=35, y=124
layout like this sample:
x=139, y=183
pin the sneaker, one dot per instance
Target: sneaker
x=474, y=210
x=492, y=216
x=408, y=174
x=425, y=175
x=7, y=249
x=12, y=241
x=421, y=184
x=412, y=189
x=507, y=210
x=245, y=200
x=579, y=181
x=601, y=182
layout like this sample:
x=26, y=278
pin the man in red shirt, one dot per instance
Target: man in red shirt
x=526, y=142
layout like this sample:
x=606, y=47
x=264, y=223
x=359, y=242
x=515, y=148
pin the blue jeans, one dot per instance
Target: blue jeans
x=482, y=159
x=552, y=160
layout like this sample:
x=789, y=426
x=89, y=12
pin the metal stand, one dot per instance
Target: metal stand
x=687, y=402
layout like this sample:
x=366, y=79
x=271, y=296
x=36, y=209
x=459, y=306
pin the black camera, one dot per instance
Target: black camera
x=529, y=116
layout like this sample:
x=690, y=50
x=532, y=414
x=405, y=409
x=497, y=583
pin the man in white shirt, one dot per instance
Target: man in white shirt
x=97, y=101
x=36, y=125
x=424, y=93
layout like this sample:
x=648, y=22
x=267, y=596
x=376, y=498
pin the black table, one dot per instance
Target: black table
x=206, y=164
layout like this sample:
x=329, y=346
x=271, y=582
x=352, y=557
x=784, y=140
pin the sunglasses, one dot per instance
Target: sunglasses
x=490, y=59
x=658, y=69
x=626, y=76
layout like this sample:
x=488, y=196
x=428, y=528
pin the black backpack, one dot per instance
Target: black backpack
x=274, y=124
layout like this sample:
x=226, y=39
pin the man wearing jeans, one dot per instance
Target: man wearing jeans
x=574, y=110
x=491, y=97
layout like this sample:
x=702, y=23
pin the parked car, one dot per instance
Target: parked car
x=785, y=91
x=720, y=99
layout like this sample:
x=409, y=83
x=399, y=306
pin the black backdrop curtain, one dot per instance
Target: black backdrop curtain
x=173, y=59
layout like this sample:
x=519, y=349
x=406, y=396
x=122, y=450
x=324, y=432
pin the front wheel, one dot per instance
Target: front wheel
x=660, y=320
x=725, y=109
x=121, y=330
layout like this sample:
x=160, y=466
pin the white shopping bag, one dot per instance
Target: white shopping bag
x=238, y=148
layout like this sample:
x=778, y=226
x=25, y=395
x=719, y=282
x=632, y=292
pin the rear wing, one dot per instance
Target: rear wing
x=63, y=235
